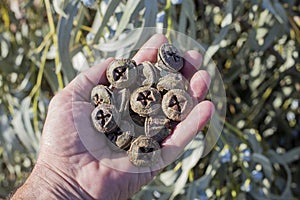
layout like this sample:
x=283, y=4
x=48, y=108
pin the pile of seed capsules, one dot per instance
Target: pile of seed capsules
x=142, y=104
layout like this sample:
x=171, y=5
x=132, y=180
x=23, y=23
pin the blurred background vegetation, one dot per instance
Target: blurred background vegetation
x=254, y=43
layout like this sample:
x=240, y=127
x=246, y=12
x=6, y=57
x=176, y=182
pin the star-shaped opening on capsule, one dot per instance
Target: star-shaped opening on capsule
x=145, y=97
x=97, y=99
x=174, y=103
x=118, y=72
x=146, y=149
x=102, y=117
x=173, y=54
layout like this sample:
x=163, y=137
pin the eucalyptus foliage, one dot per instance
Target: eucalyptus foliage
x=254, y=44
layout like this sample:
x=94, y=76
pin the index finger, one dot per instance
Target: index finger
x=148, y=52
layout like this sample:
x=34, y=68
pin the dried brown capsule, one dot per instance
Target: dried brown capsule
x=158, y=127
x=121, y=73
x=123, y=140
x=169, y=58
x=145, y=101
x=137, y=119
x=147, y=74
x=159, y=101
x=144, y=152
x=172, y=81
x=101, y=94
x=176, y=104
x=126, y=135
x=105, y=118
x=122, y=137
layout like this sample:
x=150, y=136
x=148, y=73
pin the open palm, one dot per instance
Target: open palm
x=86, y=166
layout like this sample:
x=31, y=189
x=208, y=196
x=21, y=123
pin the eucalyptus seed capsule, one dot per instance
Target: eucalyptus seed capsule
x=144, y=152
x=147, y=74
x=172, y=81
x=122, y=137
x=158, y=127
x=101, y=94
x=145, y=101
x=105, y=118
x=121, y=73
x=176, y=104
x=169, y=58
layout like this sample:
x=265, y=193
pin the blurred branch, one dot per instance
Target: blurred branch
x=55, y=43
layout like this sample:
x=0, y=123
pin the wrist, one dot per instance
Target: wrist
x=45, y=183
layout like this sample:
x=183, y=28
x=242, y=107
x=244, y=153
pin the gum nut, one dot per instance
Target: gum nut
x=147, y=74
x=105, y=118
x=125, y=136
x=145, y=101
x=172, y=81
x=121, y=73
x=169, y=58
x=176, y=104
x=144, y=152
x=158, y=127
x=101, y=94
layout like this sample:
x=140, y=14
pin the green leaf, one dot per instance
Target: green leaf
x=25, y=84
x=273, y=34
x=193, y=154
x=229, y=14
x=216, y=43
x=4, y=47
x=112, y=5
x=8, y=139
x=159, y=187
x=65, y=26
x=128, y=10
x=266, y=164
x=182, y=25
x=51, y=77
x=22, y=126
x=200, y=184
x=269, y=6
x=190, y=158
x=128, y=41
x=169, y=177
x=58, y=7
x=150, y=13
x=215, y=127
x=286, y=194
x=255, y=145
x=252, y=42
x=203, y=181
x=292, y=155
x=281, y=15
x=179, y=184
x=188, y=8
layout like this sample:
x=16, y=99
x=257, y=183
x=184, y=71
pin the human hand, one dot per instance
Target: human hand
x=66, y=168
